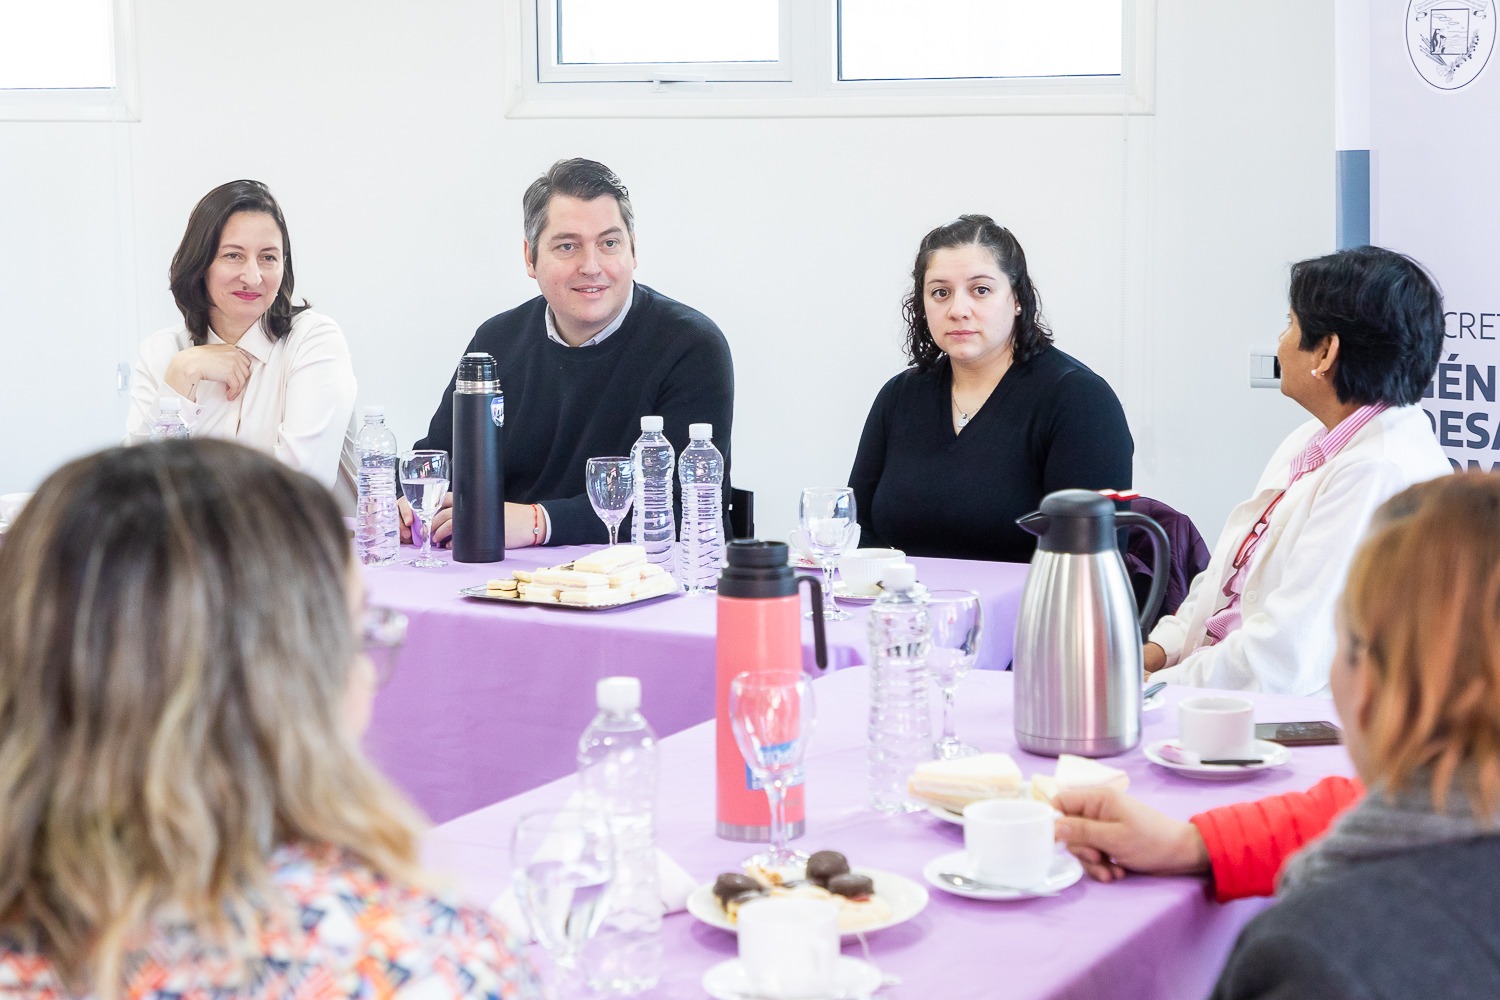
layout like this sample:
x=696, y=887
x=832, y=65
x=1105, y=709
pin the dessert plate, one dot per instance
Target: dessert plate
x=1272, y=755
x=906, y=898
x=482, y=593
x=1065, y=871
x=842, y=595
x=852, y=980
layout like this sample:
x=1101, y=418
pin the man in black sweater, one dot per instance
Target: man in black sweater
x=581, y=363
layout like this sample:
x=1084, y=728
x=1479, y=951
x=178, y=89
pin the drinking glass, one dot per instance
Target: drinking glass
x=956, y=621
x=611, y=486
x=563, y=863
x=772, y=717
x=424, y=480
x=827, y=521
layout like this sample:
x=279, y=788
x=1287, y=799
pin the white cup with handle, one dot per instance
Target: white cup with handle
x=1217, y=727
x=861, y=569
x=1009, y=841
x=789, y=946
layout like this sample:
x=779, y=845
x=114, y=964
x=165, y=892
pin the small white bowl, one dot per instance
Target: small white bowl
x=11, y=504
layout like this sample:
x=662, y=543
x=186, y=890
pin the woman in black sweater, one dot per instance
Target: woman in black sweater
x=990, y=418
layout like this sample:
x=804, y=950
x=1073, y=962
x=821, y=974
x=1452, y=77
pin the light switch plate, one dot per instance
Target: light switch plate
x=1265, y=370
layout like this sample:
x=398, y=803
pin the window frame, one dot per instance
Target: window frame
x=64, y=104
x=810, y=51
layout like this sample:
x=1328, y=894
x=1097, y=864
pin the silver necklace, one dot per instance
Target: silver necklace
x=963, y=418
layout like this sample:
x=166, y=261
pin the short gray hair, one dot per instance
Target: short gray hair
x=575, y=178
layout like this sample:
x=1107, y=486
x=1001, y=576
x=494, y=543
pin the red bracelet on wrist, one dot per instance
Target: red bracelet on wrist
x=536, y=524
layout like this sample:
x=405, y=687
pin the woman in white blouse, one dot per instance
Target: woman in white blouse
x=1363, y=338
x=245, y=363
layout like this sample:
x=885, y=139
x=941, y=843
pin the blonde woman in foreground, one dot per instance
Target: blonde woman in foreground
x=187, y=812
x=1397, y=898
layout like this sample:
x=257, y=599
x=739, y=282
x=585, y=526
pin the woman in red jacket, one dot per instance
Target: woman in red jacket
x=1242, y=845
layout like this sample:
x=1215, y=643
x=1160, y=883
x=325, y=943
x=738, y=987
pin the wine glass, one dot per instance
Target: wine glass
x=424, y=480
x=563, y=863
x=827, y=521
x=772, y=717
x=611, y=487
x=956, y=621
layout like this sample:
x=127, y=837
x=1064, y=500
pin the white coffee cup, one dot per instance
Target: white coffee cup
x=1217, y=727
x=789, y=946
x=861, y=569
x=1009, y=841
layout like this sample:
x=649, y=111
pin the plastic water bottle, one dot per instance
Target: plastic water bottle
x=702, y=474
x=618, y=768
x=377, y=533
x=900, y=709
x=168, y=424
x=653, y=525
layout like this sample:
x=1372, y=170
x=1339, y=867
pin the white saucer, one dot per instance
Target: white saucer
x=1065, y=871
x=842, y=595
x=852, y=980
x=1274, y=755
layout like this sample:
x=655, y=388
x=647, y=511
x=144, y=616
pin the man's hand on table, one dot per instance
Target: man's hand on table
x=1110, y=833
x=519, y=520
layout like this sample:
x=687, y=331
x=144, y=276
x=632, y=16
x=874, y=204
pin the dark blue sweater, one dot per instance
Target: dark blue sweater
x=565, y=405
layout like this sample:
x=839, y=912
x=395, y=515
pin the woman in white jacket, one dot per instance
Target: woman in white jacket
x=245, y=363
x=1363, y=341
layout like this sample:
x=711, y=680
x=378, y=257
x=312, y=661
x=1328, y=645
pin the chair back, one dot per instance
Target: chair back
x=741, y=514
x=1189, y=555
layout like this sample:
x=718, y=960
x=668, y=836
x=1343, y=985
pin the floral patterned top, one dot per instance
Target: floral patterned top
x=360, y=936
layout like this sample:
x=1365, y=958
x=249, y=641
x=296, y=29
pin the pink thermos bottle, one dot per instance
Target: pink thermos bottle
x=760, y=631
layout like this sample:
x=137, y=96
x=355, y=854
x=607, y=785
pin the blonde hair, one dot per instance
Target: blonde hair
x=175, y=646
x=1423, y=603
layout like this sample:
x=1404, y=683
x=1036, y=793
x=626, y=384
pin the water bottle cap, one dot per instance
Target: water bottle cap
x=701, y=432
x=170, y=404
x=618, y=694
x=374, y=413
x=649, y=424
x=901, y=576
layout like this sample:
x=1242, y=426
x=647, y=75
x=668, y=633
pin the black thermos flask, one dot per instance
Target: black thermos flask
x=478, y=461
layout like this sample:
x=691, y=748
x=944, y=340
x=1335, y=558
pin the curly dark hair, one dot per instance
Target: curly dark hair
x=200, y=245
x=1031, y=333
x=1388, y=314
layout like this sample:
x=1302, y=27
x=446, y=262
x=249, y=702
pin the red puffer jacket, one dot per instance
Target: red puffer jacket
x=1248, y=842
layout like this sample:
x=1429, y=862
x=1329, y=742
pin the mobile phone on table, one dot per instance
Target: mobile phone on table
x=1299, y=734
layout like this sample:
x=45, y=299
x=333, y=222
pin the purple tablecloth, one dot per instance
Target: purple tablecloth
x=1144, y=937
x=489, y=699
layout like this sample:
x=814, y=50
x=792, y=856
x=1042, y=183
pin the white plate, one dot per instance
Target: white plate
x=842, y=595
x=852, y=979
x=1065, y=871
x=484, y=594
x=1274, y=753
x=906, y=897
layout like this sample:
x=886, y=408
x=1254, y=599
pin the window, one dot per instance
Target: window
x=66, y=60
x=829, y=57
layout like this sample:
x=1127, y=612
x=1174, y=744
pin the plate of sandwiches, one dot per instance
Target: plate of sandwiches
x=615, y=577
x=947, y=786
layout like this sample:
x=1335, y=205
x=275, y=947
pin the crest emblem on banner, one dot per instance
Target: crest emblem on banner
x=1450, y=41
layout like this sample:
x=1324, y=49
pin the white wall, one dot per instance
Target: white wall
x=379, y=127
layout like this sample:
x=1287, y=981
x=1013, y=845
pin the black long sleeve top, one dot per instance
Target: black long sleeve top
x=1050, y=424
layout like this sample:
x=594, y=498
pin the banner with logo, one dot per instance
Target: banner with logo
x=1419, y=89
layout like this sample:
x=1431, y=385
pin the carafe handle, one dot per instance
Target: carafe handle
x=820, y=637
x=1161, y=554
